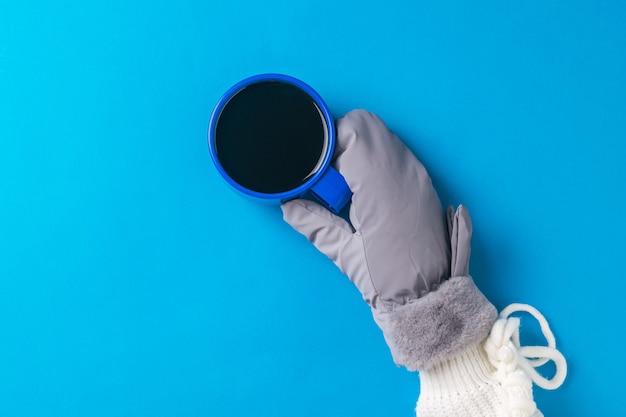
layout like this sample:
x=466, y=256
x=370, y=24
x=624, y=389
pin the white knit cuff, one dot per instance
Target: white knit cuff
x=494, y=377
x=462, y=386
x=465, y=385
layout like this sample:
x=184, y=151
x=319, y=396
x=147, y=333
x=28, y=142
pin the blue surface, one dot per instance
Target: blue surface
x=134, y=282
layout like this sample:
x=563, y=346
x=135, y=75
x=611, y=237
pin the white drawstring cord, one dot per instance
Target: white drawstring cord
x=506, y=354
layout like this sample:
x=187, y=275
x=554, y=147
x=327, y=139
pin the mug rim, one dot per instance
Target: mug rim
x=330, y=127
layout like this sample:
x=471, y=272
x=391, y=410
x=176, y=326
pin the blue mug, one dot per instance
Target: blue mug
x=272, y=138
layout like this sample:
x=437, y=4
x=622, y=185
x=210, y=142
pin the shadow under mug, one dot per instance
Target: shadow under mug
x=272, y=138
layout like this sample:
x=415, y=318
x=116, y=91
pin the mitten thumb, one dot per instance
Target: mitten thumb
x=460, y=229
x=328, y=232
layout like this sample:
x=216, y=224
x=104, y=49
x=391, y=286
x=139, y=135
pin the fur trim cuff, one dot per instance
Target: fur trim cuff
x=444, y=322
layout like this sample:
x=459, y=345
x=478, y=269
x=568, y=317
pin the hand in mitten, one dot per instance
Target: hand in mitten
x=410, y=263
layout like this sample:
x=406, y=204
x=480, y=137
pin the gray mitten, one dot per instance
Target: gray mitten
x=397, y=249
x=410, y=263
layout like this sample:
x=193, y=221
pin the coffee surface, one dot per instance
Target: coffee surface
x=271, y=137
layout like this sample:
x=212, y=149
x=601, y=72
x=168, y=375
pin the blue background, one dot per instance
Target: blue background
x=133, y=282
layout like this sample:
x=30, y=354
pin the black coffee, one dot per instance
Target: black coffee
x=271, y=137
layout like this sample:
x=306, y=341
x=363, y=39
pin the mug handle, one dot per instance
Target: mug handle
x=332, y=190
